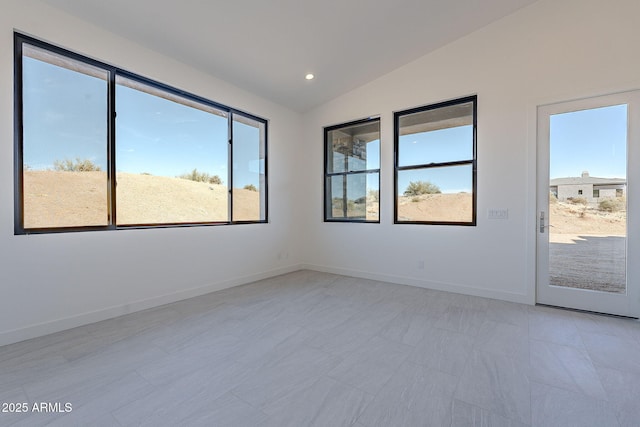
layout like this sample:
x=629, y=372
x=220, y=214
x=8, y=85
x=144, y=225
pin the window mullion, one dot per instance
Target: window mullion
x=230, y=168
x=111, y=147
x=437, y=165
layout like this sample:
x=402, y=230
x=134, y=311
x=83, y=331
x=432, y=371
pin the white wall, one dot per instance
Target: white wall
x=56, y=281
x=552, y=51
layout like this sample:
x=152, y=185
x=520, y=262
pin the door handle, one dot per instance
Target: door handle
x=542, y=225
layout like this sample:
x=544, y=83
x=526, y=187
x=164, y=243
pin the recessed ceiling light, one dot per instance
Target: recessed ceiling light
x=309, y=76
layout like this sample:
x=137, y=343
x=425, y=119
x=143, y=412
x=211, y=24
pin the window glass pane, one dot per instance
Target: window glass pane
x=442, y=194
x=338, y=193
x=436, y=136
x=64, y=142
x=354, y=148
x=354, y=196
x=171, y=158
x=372, y=197
x=249, y=179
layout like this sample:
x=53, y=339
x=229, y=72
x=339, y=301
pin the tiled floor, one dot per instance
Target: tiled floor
x=315, y=349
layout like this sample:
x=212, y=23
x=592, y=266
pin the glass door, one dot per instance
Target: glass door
x=585, y=197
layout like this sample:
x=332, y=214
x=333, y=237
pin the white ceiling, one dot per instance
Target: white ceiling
x=267, y=46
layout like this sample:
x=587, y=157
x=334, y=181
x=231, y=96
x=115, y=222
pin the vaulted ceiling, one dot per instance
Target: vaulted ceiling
x=268, y=46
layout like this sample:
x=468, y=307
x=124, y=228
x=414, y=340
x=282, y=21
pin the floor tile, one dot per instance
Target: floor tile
x=613, y=352
x=623, y=392
x=84, y=378
x=225, y=411
x=169, y=368
x=554, y=407
x=462, y=319
x=414, y=396
x=554, y=325
x=503, y=339
x=96, y=410
x=508, y=312
x=326, y=403
x=467, y=415
x=565, y=367
x=372, y=365
x=407, y=327
x=497, y=383
x=254, y=349
x=442, y=350
x=280, y=379
x=169, y=404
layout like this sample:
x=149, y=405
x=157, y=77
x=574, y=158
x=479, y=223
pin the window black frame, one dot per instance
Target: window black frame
x=113, y=71
x=473, y=99
x=327, y=176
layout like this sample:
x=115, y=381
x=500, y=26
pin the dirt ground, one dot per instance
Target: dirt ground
x=455, y=207
x=578, y=219
x=59, y=199
x=587, y=248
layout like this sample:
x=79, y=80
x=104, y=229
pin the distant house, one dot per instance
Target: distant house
x=591, y=188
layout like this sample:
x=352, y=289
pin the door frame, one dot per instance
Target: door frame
x=618, y=304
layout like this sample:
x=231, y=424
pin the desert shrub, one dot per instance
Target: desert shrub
x=250, y=187
x=215, y=179
x=373, y=195
x=417, y=188
x=338, y=203
x=577, y=200
x=360, y=200
x=611, y=205
x=196, y=176
x=77, y=165
x=415, y=199
x=552, y=198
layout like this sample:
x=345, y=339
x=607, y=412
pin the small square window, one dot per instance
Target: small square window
x=596, y=194
x=579, y=192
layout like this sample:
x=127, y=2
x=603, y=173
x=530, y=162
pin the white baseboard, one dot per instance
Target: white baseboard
x=46, y=328
x=427, y=284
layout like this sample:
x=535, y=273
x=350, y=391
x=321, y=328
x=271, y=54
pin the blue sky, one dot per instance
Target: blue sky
x=65, y=117
x=443, y=145
x=162, y=137
x=591, y=140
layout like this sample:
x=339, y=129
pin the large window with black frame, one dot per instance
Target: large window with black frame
x=97, y=148
x=352, y=171
x=435, y=163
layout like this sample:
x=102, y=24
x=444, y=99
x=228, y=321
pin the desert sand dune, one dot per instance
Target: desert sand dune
x=59, y=199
